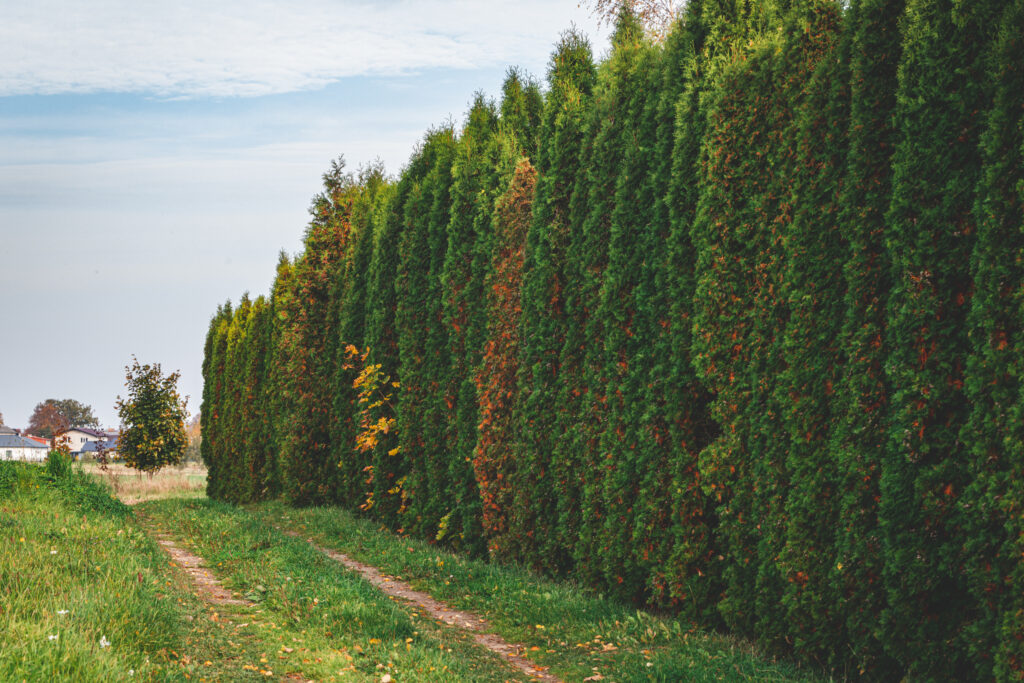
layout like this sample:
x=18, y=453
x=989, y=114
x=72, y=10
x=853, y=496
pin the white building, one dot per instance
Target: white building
x=14, y=447
x=76, y=438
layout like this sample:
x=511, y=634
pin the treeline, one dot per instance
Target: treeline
x=729, y=325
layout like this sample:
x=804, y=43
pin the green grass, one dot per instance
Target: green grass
x=68, y=546
x=575, y=632
x=75, y=573
x=334, y=625
x=77, y=564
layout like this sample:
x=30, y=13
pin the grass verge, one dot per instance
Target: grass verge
x=84, y=595
x=578, y=634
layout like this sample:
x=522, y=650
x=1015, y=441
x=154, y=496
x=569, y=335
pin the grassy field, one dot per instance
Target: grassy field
x=132, y=486
x=86, y=594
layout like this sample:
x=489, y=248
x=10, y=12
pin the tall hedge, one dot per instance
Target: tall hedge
x=860, y=401
x=738, y=339
x=813, y=290
x=993, y=433
x=425, y=401
x=493, y=462
x=535, y=524
x=944, y=93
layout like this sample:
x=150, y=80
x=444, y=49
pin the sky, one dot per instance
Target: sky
x=156, y=157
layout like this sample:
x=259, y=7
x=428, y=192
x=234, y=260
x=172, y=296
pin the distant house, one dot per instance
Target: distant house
x=93, y=447
x=76, y=437
x=15, y=447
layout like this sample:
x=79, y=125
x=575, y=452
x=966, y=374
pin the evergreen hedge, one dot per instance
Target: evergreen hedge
x=728, y=326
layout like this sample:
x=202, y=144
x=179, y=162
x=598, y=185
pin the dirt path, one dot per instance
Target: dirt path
x=207, y=586
x=479, y=628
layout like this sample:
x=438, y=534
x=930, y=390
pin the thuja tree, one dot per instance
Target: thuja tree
x=813, y=290
x=739, y=314
x=213, y=383
x=993, y=433
x=466, y=262
x=943, y=95
x=580, y=465
x=672, y=511
x=308, y=468
x=423, y=403
x=533, y=522
x=493, y=462
x=696, y=569
x=279, y=400
x=387, y=464
x=235, y=406
x=349, y=302
x=258, y=433
x=624, y=447
x=859, y=403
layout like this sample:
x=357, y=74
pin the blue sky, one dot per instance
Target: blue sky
x=155, y=157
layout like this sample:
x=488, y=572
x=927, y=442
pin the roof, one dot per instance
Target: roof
x=36, y=438
x=15, y=441
x=91, y=432
x=4, y=429
x=92, y=446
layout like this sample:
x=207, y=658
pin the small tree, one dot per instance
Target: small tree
x=152, y=418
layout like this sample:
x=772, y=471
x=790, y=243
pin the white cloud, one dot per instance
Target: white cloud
x=190, y=48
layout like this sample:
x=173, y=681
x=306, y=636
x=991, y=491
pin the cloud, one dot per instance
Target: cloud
x=194, y=48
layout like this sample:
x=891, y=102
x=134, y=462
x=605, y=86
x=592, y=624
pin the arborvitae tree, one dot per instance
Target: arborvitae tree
x=310, y=471
x=813, y=289
x=493, y=462
x=279, y=401
x=943, y=97
x=810, y=28
x=350, y=302
x=725, y=343
x=213, y=402
x=624, y=450
x=861, y=395
x=535, y=531
x=388, y=467
x=234, y=406
x=579, y=464
x=522, y=106
x=740, y=315
x=423, y=403
x=673, y=514
x=466, y=261
x=994, y=432
x=259, y=436
x=719, y=29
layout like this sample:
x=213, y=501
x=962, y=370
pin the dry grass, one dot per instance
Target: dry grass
x=132, y=486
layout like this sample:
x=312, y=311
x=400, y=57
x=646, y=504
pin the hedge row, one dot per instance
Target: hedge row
x=728, y=325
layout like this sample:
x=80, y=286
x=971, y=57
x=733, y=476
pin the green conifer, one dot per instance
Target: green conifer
x=943, y=96
x=994, y=434
x=534, y=523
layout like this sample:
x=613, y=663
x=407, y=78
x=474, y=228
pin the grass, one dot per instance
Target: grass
x=76, y=574
x=575, y=632
x=80, y=569
x=133, y=486
x=314, y=617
